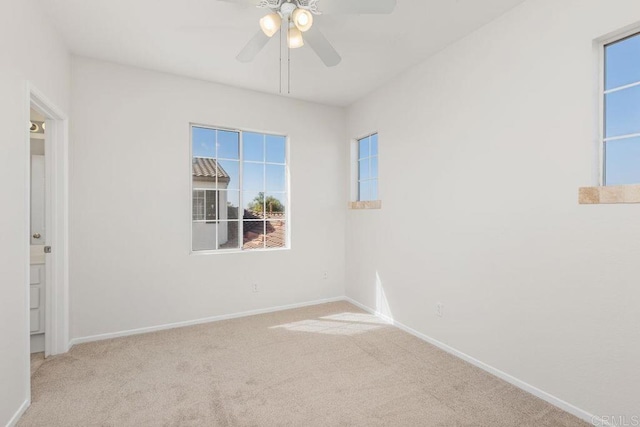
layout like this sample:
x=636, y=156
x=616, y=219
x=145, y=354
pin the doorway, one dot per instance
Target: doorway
x=46, y=227
x=37, y=236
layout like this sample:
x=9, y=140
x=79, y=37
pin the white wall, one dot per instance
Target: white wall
x=483, y=148
x=130, y=125
x=30, y=50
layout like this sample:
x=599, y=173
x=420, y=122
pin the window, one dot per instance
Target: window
x=239, y=190
x=368, y=168
x=198, y=205
x=205, y=203
x=621, y=133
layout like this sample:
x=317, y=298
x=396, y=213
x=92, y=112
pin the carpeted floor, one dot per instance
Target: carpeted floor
x=37, y=360
x=327, y=365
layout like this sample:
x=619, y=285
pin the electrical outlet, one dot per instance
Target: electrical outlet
x=325, y=275
x=254, y=287
x=439, y=309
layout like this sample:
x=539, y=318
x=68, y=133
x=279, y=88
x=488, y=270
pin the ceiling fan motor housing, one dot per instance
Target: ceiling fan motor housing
x=287, y=9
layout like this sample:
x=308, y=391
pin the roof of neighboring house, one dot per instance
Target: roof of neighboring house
x=207, y=168
x=258, y=234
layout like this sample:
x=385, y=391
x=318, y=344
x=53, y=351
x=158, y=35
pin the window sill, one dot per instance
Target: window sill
x=237, y=251
x=373, y=204
x=609, y=195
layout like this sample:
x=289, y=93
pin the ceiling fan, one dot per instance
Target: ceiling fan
x=298, y=15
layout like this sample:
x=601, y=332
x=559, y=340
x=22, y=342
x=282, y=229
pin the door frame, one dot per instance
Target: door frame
x=56, y=222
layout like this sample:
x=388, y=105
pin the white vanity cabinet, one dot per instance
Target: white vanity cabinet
x=36, y=304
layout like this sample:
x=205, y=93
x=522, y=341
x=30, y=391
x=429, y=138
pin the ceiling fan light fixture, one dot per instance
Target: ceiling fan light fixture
x=303, y=19
x=294, y=38
x=270, y=24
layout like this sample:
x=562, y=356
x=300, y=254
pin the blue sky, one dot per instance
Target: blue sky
x=264, y=167
x=623, y=161
x=368, y=168
x=623, y=63
x=622, y=112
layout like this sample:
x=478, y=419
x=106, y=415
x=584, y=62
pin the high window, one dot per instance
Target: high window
x=621, y=133
x=239, y=190
x=368, y=168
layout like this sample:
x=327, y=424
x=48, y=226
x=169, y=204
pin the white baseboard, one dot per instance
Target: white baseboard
x=19, y=413
x=138, y=331
x=565, y=406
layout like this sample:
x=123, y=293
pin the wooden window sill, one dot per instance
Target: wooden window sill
x=609, y=195
x=374, y=204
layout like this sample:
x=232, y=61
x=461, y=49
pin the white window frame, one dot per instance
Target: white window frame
x=287, y=216
x=204, y=206
x=193, y=213
x=357, y=167
x=602, y=140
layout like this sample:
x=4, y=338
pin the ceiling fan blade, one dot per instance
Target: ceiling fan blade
x=252, y=48
x=322, y=47
x=357, y=7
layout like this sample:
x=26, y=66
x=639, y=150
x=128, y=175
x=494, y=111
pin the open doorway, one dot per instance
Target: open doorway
x=47, y=229
x=37, y=238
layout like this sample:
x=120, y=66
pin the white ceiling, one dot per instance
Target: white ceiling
x=201, y=38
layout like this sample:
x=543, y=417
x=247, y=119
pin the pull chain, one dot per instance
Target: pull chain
x=288, y=60
x=280, y=90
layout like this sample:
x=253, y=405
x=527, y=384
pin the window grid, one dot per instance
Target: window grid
x=202, y=198
x=372, y=179
x=629, y=137
x=198, y=205
x=242, y=200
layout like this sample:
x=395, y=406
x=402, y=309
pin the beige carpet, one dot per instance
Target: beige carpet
x=327, y=365
x=37, y=359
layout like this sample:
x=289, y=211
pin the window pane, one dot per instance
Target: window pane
x=622, y=161
x=253, y=235
x=253, y=205
x=276, y=178
x=228, y=145
x=363, y=169
x=228, y=175
x=622, y=63
x=204, y=236
x=211, y=205
x=373, y=173
x=364, y=191
x=276, y=205
x=276, y=152
x=197, y=211
x=229, y=234
x=204, y=142
x=229, y=204
x=622, y=112
x=363, y=148
x=253, y=176
x=275, y=234
x=374, y=145
x=253, y=147
x=374, y=190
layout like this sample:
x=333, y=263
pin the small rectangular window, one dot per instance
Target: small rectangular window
x=368, y=168
x=205, y=203
x=239, y=190
x=621, y=115
x=198, y=205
